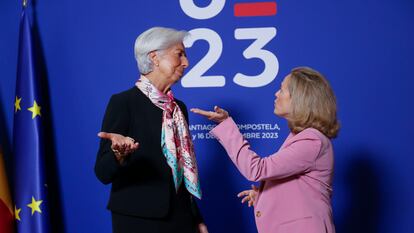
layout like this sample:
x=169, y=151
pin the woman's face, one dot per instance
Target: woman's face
x=283, y=101
x=172, y=62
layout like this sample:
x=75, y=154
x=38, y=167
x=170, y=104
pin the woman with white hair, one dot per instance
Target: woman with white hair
x=146, y=150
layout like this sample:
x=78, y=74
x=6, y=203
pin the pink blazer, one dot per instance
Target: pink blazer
x=296, y=182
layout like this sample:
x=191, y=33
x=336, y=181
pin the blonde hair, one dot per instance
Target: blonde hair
x=313, y=102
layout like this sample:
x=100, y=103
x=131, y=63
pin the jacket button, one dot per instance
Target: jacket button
x=258, y=214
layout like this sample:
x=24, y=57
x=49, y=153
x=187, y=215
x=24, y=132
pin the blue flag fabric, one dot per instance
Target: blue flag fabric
x=30, y=188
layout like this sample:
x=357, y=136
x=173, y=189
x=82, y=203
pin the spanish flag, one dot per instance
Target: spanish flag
x=6, y=207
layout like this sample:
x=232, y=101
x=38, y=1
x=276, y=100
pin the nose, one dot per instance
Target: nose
x=277, y=93
x=184, y=62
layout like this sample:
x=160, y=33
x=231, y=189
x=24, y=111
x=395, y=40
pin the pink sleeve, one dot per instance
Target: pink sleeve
x=297, y=157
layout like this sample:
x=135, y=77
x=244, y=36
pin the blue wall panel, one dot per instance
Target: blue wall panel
x=363, y=47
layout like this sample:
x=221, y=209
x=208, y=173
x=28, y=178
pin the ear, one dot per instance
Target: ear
x=153, y=56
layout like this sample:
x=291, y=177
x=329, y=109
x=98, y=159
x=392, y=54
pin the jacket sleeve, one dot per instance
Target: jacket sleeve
x=196, y=211
x=116, y=120
x=297, y=157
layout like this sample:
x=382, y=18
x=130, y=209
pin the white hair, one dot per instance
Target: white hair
x=155, y=39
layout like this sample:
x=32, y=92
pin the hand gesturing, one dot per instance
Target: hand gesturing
x=121, y=145
x=249, y=195
x=218, y=115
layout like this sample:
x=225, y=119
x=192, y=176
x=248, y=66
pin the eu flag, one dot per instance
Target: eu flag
x=30, y=187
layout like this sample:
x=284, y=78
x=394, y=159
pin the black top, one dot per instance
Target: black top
x=143, y=185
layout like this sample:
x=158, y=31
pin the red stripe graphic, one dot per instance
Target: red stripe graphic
x=255, y=9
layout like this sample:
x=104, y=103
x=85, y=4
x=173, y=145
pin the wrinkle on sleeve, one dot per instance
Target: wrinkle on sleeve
x=297, y=157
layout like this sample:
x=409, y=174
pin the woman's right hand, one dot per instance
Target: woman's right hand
x=249, y=195
x=121, y=145
x=218, y=115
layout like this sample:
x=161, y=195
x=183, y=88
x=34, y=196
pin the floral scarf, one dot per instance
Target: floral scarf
x=176, y=142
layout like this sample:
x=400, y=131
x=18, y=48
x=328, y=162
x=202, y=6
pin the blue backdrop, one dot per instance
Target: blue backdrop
x=365, y=48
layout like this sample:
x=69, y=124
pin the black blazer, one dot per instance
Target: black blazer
x=143, y=185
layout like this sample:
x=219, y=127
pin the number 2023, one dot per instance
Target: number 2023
x=261, y=36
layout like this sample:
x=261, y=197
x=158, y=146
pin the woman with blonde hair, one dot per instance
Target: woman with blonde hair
x=296, y=181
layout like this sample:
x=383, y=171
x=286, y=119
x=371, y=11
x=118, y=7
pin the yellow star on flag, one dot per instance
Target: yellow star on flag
x=35, y=109
x=17, y=213
x=17, y=104
x=35, y=205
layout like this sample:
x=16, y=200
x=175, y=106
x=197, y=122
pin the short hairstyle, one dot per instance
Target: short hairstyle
x=155, y=39
x=313, y=102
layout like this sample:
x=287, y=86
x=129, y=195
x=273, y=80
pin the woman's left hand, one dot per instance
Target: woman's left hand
x=218, y=115
x=249, y=195
x=202, y=228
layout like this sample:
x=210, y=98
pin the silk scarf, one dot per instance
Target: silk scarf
x=176, y=142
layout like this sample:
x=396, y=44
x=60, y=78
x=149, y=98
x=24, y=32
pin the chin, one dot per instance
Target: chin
x=177, y=77
x=175, y=80
x=279, y=114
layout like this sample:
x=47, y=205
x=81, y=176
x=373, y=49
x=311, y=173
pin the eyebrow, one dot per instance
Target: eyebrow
x=182, y=51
